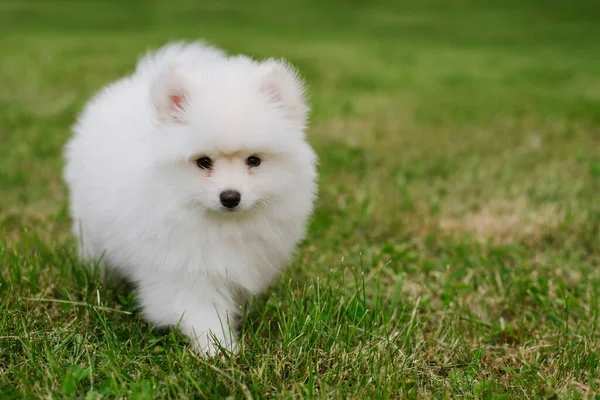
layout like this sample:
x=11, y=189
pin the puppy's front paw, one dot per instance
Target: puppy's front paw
x=208, y=343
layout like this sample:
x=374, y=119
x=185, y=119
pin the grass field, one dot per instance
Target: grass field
x=455, y=248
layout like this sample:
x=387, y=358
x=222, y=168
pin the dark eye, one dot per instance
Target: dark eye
x=204, y=162
x=253, y=161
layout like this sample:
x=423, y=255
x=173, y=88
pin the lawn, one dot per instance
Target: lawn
x=455, y=247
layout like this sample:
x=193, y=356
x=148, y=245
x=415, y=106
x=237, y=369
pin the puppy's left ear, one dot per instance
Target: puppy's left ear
x=281, y=84
x=169, y=96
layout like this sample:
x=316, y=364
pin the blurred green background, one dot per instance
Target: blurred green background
x=460, y=170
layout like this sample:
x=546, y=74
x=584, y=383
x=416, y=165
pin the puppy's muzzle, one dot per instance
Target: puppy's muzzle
x=230, y=198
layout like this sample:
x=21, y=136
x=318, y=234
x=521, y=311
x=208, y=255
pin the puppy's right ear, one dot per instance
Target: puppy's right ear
x=169, y=96
x=282, y=86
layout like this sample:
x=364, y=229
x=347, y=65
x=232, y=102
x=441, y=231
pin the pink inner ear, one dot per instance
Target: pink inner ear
x=273, y=93
x=177, y=101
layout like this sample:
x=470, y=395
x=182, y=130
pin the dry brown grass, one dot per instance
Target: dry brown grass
x=504, y=221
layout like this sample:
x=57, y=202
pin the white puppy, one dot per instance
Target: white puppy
x=192, y=178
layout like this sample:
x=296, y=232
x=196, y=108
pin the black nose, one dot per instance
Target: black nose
x=230, y=198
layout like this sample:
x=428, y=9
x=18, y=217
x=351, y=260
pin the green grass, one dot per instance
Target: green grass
x=454, y=251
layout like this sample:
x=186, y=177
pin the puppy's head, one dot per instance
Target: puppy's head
x=230, y=136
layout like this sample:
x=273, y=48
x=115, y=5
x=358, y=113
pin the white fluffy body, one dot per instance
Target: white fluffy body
x=140, y=202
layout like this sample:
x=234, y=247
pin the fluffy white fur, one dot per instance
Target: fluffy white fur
x=141, y=204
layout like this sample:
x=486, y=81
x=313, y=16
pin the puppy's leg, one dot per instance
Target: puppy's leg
x=202, y=311
x=208, y=325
